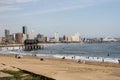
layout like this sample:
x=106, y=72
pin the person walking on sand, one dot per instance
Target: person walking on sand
x=108, y=54
x=63, y=57
x=102, y=60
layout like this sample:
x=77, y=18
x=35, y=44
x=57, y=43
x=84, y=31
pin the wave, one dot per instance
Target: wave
x=52, y=54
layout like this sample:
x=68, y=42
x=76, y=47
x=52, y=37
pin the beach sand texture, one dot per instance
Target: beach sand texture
x=60, y=69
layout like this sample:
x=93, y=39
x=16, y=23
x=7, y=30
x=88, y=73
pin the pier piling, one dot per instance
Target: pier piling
x=32, y=45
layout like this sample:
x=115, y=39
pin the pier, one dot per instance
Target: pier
x=33, y=45
x=28, y=45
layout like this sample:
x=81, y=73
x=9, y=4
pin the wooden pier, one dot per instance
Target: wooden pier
x=28, y=45
x=32, y=45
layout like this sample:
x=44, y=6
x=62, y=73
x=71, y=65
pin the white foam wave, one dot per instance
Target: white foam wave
x=18, y=50
x=97, y=59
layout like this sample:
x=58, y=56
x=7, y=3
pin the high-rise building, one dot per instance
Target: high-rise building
x=7, y=32
x=31, y=34
x=41, y=38
x=65, y=38
x=47, y=39
x=19, y=38
x=9, y=38
x=56, y=36
x=24, y=29
x=69, y=39
x=76, y=37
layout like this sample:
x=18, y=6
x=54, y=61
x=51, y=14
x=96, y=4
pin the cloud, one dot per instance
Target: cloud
x=57, y=10
x=65, y=5
x=8, y=8
x=16, y=1
x=53, y=6
x=24, y=1
x=53, y=10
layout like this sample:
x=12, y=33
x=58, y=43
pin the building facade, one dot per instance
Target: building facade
x=76, y=37
x=69, y=39
x=24, y=30
x=31, y=34
x=19, y=38
x=56, y=36
x=41, y=38
x=7, y=32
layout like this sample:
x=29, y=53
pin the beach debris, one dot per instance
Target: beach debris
x=119, y=61
x=78, y=61
x=3, y=64
x=81, y=61
x=18, y=56
x=41, y=59
x=34, y=55
x=63, y=57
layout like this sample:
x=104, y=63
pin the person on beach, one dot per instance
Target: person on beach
x=63, y=57
x=102, y=60
x=41, y=59
x=73, y=57
x=118, y=61
x=18, y=56
x=15, y=55
x=108, y=54
x=81, y=61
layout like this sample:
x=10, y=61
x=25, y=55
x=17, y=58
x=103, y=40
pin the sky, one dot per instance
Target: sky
x=91, y=18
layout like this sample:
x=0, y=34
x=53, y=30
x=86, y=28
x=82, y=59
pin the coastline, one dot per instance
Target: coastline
x=86, y=52
x=17, y=50
x=63, y=69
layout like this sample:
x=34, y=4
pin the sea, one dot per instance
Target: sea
x=109, y=51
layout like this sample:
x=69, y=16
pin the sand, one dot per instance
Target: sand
x=60, y=69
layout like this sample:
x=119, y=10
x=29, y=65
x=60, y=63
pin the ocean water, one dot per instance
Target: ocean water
x=110, y=52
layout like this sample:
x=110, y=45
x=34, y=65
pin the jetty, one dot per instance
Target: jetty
x=33, y=45
x=28, y=45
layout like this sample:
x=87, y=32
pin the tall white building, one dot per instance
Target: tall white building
x=76, y=37
x=56, y=36
x=31, y=34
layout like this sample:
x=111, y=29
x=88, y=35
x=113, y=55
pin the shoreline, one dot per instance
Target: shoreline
x=62, y=52
x=70, y=57
x=63, y=69
x=53, y=58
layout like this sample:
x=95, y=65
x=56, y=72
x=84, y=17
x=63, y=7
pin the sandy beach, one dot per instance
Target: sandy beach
x=62, y=69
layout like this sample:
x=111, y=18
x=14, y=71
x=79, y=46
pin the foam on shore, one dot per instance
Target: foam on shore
x=18, y=50
x=96, y=59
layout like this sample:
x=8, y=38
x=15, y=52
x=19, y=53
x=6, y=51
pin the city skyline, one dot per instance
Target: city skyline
x=91, y=18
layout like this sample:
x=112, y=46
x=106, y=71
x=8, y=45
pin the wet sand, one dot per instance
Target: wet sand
x=62, y=69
